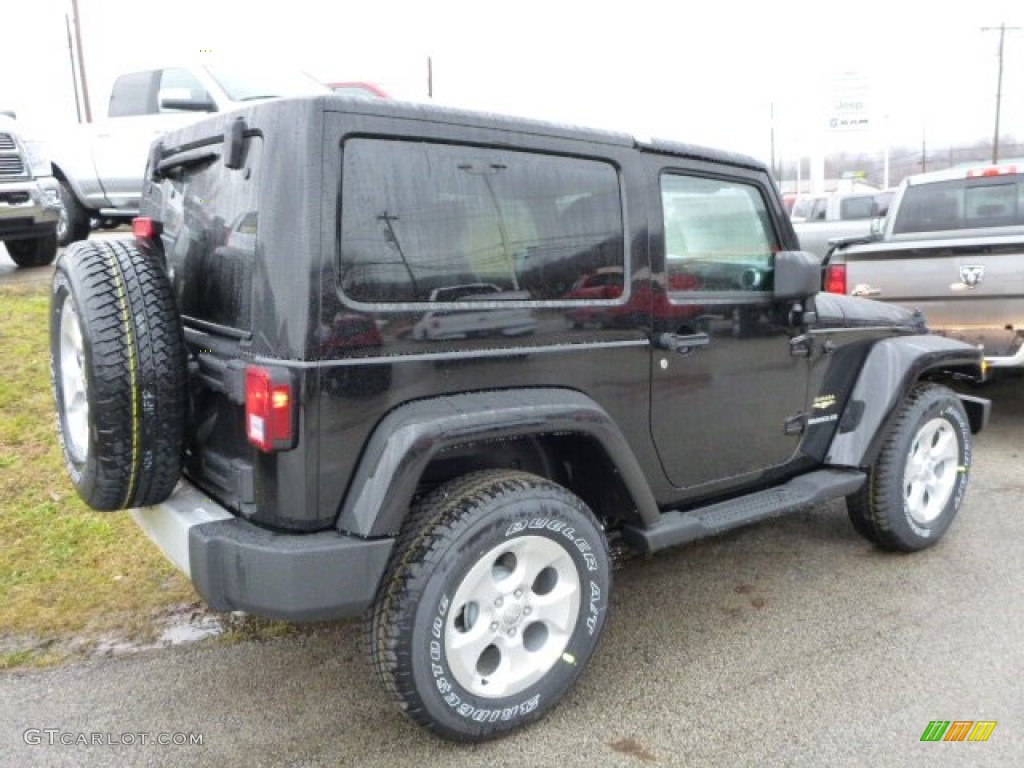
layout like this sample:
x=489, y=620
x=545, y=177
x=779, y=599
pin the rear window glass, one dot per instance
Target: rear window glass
x=961, y=204
x=421, y=221
x=210, y=238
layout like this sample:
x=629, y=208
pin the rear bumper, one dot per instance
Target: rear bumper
x=1014, y=358
x=237, y=566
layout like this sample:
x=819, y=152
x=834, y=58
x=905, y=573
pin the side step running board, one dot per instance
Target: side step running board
x=676, y=528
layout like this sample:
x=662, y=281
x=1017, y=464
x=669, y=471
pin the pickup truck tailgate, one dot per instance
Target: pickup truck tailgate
x=966, y=289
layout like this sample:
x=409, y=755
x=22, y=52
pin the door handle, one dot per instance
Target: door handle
x=684, y=345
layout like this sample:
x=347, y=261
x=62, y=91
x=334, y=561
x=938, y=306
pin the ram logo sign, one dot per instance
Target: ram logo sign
x=971, y=275
x=958, y=730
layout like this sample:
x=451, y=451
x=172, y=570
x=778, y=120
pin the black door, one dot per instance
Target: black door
x=726, y=387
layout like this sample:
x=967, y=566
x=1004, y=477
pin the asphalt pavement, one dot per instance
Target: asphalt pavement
x=788, y=643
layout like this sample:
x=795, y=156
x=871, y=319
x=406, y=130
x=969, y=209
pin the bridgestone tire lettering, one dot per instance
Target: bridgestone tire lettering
x=446, y=539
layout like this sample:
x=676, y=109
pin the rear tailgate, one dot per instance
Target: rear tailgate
x=968, y=288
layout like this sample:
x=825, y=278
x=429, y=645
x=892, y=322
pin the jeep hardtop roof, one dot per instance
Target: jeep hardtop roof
x=448, y=115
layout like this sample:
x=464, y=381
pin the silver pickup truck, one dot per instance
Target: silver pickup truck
x=28, y=196
x=821, y=219
x=952, y=246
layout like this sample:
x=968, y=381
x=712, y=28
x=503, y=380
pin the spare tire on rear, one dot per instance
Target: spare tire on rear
x=119, y=372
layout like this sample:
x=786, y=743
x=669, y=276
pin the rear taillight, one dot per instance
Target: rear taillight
x=145, y=228
x=269, y=409
x=835, y=278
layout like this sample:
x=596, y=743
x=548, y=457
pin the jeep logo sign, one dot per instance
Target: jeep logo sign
x=971, y=275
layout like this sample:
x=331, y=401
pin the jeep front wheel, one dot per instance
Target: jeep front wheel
x=493, y=605
x=916, y=485
x=118, y=366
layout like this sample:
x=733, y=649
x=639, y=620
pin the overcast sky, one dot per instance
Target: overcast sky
x=709, y=73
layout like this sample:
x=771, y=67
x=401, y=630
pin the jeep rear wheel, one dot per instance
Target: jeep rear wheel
x=494, y=602
x=37, y=252
x=917, y=484
x=117, y=362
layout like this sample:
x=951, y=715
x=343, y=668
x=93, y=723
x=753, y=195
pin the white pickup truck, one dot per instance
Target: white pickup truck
x=100, y=165
x=952, y=246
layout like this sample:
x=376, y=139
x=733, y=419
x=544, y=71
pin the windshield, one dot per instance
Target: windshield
x=249, y=83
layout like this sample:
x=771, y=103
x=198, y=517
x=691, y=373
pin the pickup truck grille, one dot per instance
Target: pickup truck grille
x=7, y=142
x=11, y=165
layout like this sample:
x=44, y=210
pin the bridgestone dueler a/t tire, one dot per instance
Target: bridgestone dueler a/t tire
x=118, y=368
x=917, y=483
x=502, y=562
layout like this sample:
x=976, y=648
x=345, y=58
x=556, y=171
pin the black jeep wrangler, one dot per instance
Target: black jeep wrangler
x=431, y=366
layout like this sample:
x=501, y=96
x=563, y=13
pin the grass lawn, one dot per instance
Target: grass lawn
x=65, y=572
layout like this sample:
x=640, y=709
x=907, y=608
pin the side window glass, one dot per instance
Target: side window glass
x=718, y=235
x=211, y=236
x=179, y=88
x=133, y=94
x=435, y=223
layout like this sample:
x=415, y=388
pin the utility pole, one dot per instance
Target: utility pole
x=430, y=77
x=924, y=151
x=74, y=73
x=81, y=62
x=999, y=84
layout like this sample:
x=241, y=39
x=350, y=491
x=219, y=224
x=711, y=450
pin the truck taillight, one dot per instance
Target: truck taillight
x=145, y=228
x=269, y=409
x=835, y=278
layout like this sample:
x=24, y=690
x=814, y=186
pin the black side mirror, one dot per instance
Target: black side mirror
x=797, y=275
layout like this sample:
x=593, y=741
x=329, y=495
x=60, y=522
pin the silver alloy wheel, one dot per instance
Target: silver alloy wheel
x=74, y=390
x=931, y=470
x=512, y=616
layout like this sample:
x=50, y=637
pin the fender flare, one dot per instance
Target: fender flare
x=406, y=440
x=890, y=369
